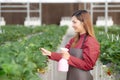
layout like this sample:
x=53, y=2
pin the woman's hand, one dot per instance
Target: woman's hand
x=45, y=52
x=65, y=54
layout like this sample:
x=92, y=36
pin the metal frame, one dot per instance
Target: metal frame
x=106, y=10
x=26, y=5
x=27, y=2
x=0, y=10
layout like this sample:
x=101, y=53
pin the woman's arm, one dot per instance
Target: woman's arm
x=90, y=53
x=57, y=56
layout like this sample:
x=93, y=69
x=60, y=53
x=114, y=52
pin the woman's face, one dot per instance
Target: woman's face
x=77, y=25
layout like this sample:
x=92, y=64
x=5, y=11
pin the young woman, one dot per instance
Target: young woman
x=83, y=48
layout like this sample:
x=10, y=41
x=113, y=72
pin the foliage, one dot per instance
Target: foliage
x=13, y=32
x=110, y=51
x=20, y=60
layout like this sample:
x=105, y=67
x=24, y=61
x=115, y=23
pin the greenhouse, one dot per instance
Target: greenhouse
x=27, y=27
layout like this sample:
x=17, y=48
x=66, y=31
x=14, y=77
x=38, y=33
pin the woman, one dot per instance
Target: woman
x=83, y=48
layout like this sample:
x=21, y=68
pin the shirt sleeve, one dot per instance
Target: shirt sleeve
x=57, y=56
x=90, y=54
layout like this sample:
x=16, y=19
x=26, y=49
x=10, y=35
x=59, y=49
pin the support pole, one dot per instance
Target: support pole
x=85, y=6
x=0, y=10
x=91, y=12
x=28, y=12
x=40, y=12
x=106, y=16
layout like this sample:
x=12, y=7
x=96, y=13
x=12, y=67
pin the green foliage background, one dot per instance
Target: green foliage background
x=20, y=59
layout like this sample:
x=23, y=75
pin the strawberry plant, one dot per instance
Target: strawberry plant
x=110, y=52
x=21, y=60
x=13, y=33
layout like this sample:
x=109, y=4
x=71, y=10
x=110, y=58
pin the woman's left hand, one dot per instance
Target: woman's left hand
x=65, y=55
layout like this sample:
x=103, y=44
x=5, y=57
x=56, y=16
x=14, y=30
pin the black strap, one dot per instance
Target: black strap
x=84, y=40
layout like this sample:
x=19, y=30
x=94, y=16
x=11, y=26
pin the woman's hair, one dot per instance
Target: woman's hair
x=84, y=17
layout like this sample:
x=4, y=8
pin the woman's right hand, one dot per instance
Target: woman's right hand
x=45, y=52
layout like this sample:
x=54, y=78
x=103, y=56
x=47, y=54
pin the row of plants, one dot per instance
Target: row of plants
x=22, y=60
x=110, y=51
x=12, y=32
x=111, y=30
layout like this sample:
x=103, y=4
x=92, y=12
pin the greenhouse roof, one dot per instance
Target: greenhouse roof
x=55, y=1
